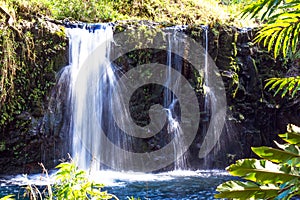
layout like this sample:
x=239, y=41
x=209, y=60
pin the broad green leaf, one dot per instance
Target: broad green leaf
x=246, y=190
x=8, y=197
x=291, y=137
x=289, y=148
x=261, y=171
x=64, y=166
x=290, y=84
x=274, y=155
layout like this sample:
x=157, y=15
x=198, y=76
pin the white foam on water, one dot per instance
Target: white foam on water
x=113, y=178
x=33, y=179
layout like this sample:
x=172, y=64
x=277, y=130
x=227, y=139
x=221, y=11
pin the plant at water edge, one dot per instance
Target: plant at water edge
x=73, y=183
x=275, y=176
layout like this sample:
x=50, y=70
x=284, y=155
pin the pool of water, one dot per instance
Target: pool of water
x=169, y=185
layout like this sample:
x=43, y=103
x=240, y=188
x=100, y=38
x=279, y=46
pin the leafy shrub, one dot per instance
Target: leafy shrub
x=73, y=183
x=275, y=176
x=280, y=34
x=70, y=183
x=86, y=11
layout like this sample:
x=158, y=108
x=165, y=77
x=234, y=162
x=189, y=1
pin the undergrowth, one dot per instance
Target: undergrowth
x=170, y=11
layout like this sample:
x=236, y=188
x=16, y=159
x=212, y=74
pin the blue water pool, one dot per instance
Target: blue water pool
x=169, y=185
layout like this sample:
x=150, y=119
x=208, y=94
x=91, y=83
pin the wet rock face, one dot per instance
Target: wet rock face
x=254, y=114
x=39, y=133
x=40, y=51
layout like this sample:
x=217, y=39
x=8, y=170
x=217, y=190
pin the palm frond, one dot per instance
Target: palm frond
x=282, y=34
x=288, y=85
x=255, y=8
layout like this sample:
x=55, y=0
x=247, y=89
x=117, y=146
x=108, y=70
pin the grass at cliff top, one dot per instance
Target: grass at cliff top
x=169, y=11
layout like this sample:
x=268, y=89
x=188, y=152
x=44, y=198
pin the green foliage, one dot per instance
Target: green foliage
x=8, y=197
x=233, y=2
x=279, y=34
x=28, y=60
x=256, y=7
x=288, y=85
x=171, y=11
x=73, y=183
x=275, y=176
x=281, y=31
x=246, y=190
x=86, y=11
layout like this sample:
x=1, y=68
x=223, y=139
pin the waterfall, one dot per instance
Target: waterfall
x=101, y=129
x=207, y=93
x=90, y=98
x=92, y=84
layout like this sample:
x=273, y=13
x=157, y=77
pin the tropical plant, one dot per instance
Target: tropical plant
x=69, y=183
x=275, y=176
x=279, y=34
x=283, y=24
x=287, y=85
x=73, y=183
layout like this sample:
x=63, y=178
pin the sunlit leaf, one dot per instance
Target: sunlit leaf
x=291, y=137
x=261, y=171
x=288, y=85
x=246, y=190
x=8, y=197
x=274, y=155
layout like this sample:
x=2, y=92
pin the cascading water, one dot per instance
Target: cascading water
x=95, y=97
x=92, y=78
x=207, y=93
x=92, y=85
x=90, y=97
x=170, y=99
x=212, y=104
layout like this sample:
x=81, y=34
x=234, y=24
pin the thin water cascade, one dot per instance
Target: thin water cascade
x=170, y=100
x=207, y=93
x=210, y=144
